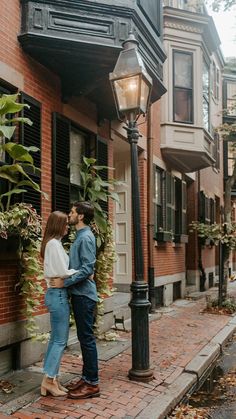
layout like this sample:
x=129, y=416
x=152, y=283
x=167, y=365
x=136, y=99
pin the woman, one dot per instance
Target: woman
x=56, y=263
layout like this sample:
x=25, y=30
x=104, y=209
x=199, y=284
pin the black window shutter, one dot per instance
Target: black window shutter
x=102, y=160
x=60, y=161
x=207, y=211
x=30, y=135
x=184, y=208
x=212, y=211
x=202, y=207
x=170, y=202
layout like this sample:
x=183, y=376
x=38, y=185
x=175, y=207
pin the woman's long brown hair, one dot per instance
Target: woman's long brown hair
x=55, y=228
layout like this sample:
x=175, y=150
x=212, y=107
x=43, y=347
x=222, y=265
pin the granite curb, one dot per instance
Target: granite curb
x=190, y=378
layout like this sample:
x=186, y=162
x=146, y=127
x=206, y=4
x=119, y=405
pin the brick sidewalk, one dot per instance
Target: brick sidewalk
x=175, y=339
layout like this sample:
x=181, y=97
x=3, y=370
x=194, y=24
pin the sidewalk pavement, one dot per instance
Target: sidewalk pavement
x=184, y=344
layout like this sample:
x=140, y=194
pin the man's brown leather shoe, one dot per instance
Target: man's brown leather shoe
x=75, y=385
x=85, y=391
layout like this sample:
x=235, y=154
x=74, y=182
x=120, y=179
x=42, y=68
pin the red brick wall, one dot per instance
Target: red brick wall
x=44, y=86
x=169, y=260
x=11, y=303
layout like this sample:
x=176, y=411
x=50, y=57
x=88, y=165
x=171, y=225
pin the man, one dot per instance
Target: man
x=83, y=298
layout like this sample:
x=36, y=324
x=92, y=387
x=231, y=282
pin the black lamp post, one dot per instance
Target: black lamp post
x=131, y=87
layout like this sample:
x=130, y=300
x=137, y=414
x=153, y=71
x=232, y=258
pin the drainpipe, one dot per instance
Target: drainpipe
x=150, y=223
x=200, y=265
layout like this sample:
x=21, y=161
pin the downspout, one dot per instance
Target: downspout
x=200, y=265
x=150, y=221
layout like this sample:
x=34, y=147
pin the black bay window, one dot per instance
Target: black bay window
x=183, y=87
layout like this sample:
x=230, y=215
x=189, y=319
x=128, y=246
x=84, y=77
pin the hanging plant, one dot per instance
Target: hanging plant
x=23, y=222
x=20, y=220
x=224, y=233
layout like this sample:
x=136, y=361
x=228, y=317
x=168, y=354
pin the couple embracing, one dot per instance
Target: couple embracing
x=70, y=277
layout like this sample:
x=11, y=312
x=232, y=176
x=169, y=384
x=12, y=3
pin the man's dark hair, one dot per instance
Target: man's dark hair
x=85, y=208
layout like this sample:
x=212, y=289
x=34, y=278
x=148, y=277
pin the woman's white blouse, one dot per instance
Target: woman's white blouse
x=56, y=261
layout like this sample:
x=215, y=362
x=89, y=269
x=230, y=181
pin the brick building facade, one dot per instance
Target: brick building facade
x=58, y=54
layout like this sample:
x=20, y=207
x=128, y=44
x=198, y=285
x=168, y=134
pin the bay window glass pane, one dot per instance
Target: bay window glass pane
x=157, y=188
x=77, y=151
x=205, y=114
x=183, y=87
x=183, y=105
x=157, y=200
x=231, y=99
x=183, y=70
x=205, y=79
x=206, y=94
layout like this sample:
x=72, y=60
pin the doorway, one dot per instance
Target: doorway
x=122, y=217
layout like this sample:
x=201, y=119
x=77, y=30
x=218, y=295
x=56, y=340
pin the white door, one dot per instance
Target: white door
x=122, y=220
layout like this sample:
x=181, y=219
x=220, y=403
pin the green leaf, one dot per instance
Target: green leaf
x=30, y=183
x=32, y=148
x=11, y=107
x=6, y=131
x=101, y=222
x=13, y=191
x=19, y=119
x=114, y=196
x=18, y=152
x=8, y=98
x=99, y=242
x=88, y=161
x=9, y=176
x=103, y=167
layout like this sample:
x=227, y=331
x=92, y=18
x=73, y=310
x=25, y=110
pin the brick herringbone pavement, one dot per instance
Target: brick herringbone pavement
x=175, y=339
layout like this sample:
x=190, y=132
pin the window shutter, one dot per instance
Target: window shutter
x=30, y=135
x=170, y=203
x=184, y=208
x=202, y=207
x=216, y=150
x=207, y=211
x=60, y=161
x=212, y=211
x=102, y=160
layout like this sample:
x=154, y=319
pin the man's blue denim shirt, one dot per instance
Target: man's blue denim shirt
x=83, y=258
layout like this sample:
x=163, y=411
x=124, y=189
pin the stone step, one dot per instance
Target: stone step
x=189, y=289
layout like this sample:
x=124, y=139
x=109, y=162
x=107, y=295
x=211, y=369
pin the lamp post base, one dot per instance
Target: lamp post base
x=144, y=376
x=140, y=306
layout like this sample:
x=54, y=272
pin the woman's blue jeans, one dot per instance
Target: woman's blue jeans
x=56, y=300
x=83, y=308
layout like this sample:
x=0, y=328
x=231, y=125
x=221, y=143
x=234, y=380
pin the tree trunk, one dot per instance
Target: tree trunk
x=225, y=250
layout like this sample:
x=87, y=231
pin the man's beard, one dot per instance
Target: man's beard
x=74, y=222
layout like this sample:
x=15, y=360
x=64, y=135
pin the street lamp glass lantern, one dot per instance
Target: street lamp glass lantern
x=130, y=82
